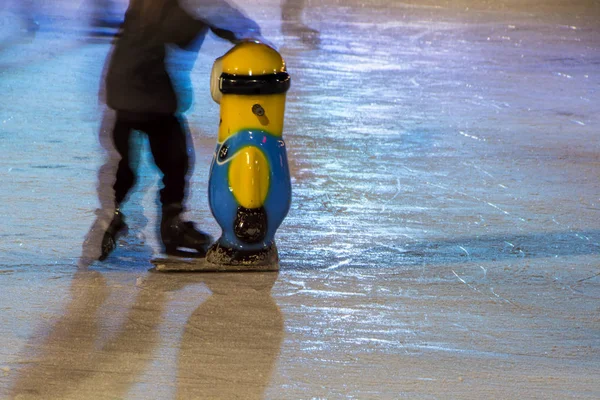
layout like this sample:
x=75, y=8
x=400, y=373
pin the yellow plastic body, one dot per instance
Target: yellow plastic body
x=252, y=58
x=236, y=114
x=249, y=177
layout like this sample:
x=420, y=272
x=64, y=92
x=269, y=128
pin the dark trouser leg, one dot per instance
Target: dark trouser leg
x=125, y=177
x=168, y=142
x=124, y=181
x=169, y=145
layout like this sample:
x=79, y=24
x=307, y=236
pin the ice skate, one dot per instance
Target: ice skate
x=117, y=228
x=303, y=33
x=178, y=235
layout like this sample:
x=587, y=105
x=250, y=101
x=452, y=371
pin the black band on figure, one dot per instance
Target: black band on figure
x=258, y=84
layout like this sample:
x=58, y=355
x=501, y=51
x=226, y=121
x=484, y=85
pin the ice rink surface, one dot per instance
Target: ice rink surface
x=444, y=236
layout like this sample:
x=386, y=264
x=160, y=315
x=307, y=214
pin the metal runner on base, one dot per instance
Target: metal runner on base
x=168, y=264
x=268, y=261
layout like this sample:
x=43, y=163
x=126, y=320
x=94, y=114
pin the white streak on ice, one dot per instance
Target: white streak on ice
x=469, y=136
x=341, y=263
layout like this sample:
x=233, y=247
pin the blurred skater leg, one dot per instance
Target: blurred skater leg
x=169, y=145
x=125, y=176
x=169, y=149
x=292, y=24
x=104, y=14
x=125, y=179
x=26, y=10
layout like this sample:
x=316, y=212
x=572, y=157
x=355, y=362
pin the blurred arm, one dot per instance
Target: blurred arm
x=224, y=20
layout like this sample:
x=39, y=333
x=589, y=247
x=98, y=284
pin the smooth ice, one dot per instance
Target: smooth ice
x=443, y=241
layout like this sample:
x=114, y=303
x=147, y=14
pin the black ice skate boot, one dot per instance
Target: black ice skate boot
x=177, y=234
x=117, y=228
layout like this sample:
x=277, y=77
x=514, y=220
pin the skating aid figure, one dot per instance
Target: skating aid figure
x=140, y=90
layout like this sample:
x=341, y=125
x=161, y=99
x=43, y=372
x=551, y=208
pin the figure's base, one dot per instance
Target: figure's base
x=218, y=254
x=220, y=259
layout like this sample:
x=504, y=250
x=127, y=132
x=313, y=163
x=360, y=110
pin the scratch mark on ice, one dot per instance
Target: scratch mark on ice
x=477, y=167
x=478, y=291
x=463, y=281
x=484, y=271
x=563, y=75
x=340, y=264
x=469, y=136
x=589, y=277
x=500, y=297
x=498, y=208
x=397, y=190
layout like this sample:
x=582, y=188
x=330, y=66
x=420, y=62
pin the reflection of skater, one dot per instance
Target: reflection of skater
x=231, y=342
x=292, y=25
x=76, y=361
x=228, y=347
x=140, y=90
